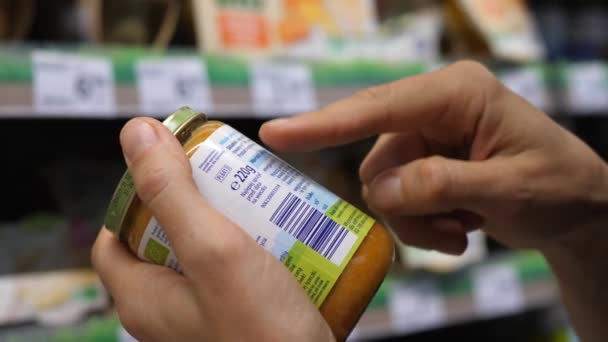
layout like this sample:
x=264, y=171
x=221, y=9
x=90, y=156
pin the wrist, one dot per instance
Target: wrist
x=587, y=238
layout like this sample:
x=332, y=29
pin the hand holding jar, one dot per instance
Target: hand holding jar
x=230, y=290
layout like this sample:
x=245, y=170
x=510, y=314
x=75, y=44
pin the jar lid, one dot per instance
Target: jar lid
x=181, y=123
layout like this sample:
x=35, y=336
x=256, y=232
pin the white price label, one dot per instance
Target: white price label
x=67, y=84
x=587, y=87
x=167, y=84
x=497, y=290
x=8, y=298
x=415, y=307
x=529, y=84
x=282, y=89
x=354, y=335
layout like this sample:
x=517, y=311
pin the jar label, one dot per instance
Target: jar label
x=310, y=230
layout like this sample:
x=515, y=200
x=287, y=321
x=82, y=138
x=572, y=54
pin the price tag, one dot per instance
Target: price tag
x=497, y=290
x=529, y=84
x=282, y=89
x=8, y=295
x=355, y=335
x=124, y=336
x=587, y=87
x=67, y=84
x=167, y=84
x=414, y=307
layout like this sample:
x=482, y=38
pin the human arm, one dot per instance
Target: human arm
x=458, y=151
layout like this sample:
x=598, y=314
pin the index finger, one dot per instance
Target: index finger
x=453, y=97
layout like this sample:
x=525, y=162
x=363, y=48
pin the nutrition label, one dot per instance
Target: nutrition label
x=309, y=229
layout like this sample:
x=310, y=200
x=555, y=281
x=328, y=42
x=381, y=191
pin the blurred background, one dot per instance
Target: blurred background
x=73, y=71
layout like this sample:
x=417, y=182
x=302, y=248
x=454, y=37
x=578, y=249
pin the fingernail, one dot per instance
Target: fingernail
x=385, y=191
x=136, y=137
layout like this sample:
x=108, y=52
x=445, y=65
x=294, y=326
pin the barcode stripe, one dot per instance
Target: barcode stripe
x=314, y=243
x=339, y=241
x=301, y=216
x=311, y=227
x=329, y=238
x=324, y=236
x=327, y=225
x=314, y=229
x=294, y=218
x=286, y=212
x=280, y=206
x=334, y=244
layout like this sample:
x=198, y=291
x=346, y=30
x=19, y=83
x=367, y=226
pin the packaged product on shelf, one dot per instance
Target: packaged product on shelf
x=313, y=232
x=15, y=19
x=336, y=18
x=50, y=298
x=133, y=22
x=136, y=22
x=61, y=21
x=505, y=27
x=272, y=26
x=398, y=31
x=416, y=258
x=236, y=26
x=38, y=242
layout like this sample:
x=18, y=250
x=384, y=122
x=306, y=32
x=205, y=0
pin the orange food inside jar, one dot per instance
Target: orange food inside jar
x=352, y=290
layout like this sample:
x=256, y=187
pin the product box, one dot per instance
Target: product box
x=134, y=22
x=236, y=26
x=51, y=298
x=274, y=26
x=506, y=26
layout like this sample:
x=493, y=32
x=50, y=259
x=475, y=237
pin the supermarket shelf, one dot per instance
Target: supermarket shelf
x=457, y=295
x=237, y=87
x=16, y=102
x=417, y=303
x=227, y=79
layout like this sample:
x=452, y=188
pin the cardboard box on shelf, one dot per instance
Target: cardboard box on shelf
x=51, y=298
x=504, y=29
x=273, y=26
x=134, y=22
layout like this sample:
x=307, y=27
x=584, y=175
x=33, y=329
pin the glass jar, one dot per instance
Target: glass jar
x=338, y=254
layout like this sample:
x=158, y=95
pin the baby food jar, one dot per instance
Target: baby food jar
x=337, y=253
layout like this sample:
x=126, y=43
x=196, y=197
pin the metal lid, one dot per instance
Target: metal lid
x=181, y=123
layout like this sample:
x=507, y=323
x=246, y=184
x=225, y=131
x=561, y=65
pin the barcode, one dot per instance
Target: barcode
x=313, y=228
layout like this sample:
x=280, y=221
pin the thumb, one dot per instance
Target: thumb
x=163, y=180
x=434, y=185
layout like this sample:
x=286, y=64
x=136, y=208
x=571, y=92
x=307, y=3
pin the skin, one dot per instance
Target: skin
x=456, y=151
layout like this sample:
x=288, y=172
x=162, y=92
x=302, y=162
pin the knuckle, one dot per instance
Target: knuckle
x=474, y=85
x=434, y=179
x=378, y=93
x=476, y=75
x=521, y=201
x=472, y=69
x=228, y=251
